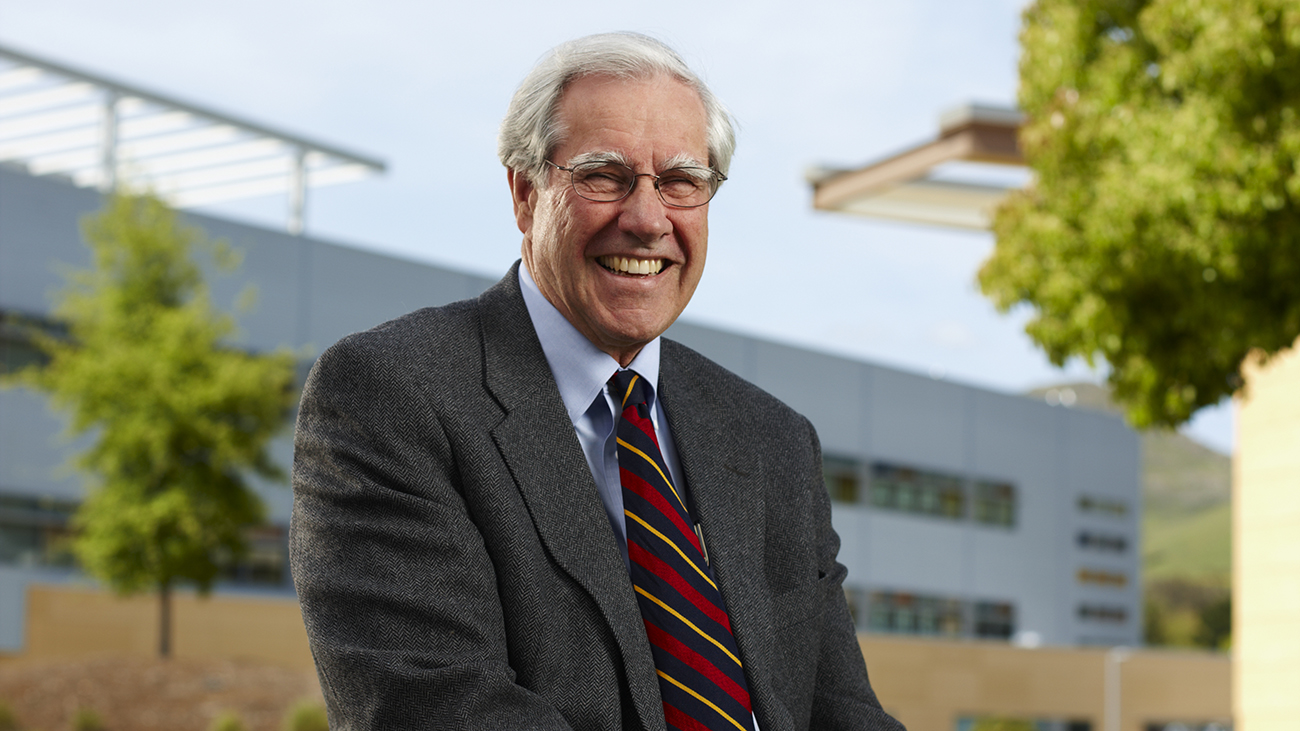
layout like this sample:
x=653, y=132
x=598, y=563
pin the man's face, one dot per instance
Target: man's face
x=579, y=251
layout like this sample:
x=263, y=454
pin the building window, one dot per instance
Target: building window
x=37, y=532
x=915, y=615
x=994, y=620
x=1102, y=578
x=842, y=479
x=916, y=491
x=995, y=503
x=851, y=599
x=1102, y=613
x=264, y=563
x=1103, y=506
x=34, y=531
x=1102, y=542
x=1012, y=723
x=17, y=341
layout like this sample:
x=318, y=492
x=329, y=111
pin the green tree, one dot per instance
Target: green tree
x=178, y=418
x=1162, y=232
x=1214, y=630
x=1154, y=623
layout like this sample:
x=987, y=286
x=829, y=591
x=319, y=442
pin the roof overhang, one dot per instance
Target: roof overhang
x=97, y=132
x=920, y=185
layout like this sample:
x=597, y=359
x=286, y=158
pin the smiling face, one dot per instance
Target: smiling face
x=620, y=272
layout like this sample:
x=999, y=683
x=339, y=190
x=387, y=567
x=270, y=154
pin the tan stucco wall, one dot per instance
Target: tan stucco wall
x=928, y=684
x=1266, y=548
x=71, y=621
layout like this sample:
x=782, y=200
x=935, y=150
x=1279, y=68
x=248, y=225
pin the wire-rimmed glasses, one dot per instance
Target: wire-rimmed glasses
x=604, y=181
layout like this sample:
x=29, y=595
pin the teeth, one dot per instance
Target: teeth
x=627, y=265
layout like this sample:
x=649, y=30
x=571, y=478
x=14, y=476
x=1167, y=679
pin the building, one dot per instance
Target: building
x=963, y=512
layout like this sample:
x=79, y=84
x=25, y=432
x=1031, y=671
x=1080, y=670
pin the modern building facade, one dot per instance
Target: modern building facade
x=963, y=513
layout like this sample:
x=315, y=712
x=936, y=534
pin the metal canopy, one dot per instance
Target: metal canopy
x=956, y=180
x=96, y=132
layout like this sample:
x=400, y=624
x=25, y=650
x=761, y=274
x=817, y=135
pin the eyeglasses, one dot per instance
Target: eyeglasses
x=606, y=182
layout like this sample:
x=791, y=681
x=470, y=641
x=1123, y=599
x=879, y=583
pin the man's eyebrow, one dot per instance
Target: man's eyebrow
x=600, y=156
x=680, y=160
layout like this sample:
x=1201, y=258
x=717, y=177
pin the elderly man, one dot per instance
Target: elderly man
x=527, y=510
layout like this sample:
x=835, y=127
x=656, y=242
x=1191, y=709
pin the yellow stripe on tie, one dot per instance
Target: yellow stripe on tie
x=667, y=481
x=688, y=622
x=701, y=699
x=629, y=390
x=665, y=539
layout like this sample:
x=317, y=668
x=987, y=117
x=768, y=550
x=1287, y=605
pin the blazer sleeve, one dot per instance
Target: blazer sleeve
x=843, y=699
x=397, y=590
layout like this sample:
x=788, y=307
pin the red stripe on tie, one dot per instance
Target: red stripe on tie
x=654, y=565
x=679, y=720
x=632, y=481
x=633, y=417
x=679, y=650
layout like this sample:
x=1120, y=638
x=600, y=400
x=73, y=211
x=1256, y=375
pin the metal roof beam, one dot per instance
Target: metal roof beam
x=59, y=120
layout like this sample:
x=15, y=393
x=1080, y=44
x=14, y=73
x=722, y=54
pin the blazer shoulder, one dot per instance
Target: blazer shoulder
x=440, y=337
x=431, y=341
x=686, y=370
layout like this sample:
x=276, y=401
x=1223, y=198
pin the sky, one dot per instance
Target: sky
x=423, y=85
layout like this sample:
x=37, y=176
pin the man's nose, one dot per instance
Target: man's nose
x=644, y=214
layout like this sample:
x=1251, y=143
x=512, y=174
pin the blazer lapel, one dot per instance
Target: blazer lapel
x=537, y=442
x=724, y=476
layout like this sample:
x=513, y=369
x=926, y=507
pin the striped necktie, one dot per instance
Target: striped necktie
x=701, y=679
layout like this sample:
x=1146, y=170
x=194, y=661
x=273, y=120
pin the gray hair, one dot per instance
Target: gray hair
x=530, y=130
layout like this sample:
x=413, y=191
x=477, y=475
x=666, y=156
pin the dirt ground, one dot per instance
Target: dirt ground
x=141, y=694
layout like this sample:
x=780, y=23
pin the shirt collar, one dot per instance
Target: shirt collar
x=580, y=368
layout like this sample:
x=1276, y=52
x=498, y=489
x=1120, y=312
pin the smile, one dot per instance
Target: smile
x=626, y=265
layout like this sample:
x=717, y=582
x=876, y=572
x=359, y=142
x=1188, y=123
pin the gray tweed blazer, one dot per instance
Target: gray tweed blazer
x=456, y=569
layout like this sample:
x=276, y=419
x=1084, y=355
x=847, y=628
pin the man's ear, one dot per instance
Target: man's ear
x=524, y=195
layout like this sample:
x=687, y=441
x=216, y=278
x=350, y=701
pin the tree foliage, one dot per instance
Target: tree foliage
x=1162, y=233
x=178, y=418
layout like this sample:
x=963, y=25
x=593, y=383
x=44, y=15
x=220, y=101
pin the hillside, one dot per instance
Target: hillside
x=1186, y=491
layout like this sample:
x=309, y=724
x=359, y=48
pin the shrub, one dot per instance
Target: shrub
x=306, y=716
x=8, y=721
x=227, y=721
x=87, y=720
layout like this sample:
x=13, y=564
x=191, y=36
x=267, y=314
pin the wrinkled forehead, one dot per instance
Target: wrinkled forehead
x=664, y=100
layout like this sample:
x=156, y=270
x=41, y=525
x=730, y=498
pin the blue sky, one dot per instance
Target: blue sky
x=423, y=85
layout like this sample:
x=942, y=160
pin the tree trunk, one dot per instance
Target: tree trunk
x=164, y=619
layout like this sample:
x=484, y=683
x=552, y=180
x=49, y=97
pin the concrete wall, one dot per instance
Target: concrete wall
x=1266, y=547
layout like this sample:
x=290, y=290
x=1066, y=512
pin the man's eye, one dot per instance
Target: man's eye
x=604, y=177
x=679, y=184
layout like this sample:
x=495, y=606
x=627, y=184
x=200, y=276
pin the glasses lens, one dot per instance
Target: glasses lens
x=602, y=181
x=687, y=187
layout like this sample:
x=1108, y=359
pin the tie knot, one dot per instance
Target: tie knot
x=629, y=388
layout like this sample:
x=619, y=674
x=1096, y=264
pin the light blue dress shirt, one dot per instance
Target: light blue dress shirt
x=582, y=372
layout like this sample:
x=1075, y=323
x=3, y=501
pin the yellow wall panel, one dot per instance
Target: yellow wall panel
x=1266, y=547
